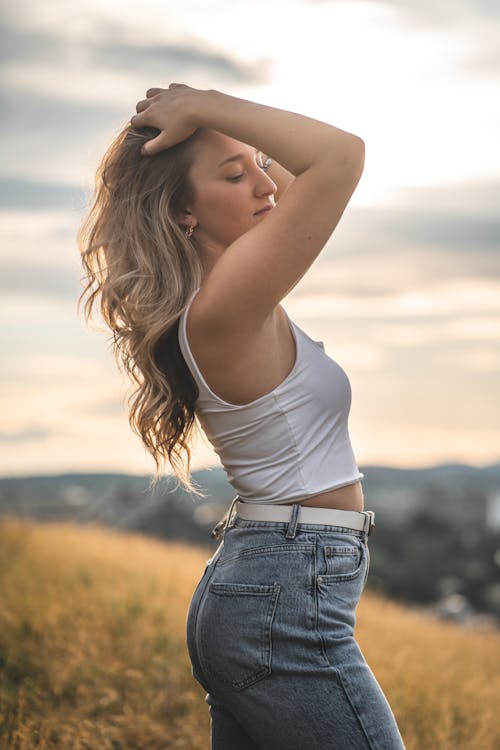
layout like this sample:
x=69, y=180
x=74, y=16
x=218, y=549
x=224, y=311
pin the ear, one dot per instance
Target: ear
x=186, y=218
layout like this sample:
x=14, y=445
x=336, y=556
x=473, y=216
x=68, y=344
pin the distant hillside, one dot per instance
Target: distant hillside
x=124, y=500
x=92, y=650
x=436, y=542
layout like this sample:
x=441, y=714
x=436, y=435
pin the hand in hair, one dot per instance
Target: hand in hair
x=171, y=111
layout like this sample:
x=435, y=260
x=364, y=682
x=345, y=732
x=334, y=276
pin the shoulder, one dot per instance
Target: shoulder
x=211, y=334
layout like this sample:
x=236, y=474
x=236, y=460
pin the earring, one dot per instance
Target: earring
x=189, y=231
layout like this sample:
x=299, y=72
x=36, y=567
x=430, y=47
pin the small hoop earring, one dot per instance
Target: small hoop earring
x=189, y=231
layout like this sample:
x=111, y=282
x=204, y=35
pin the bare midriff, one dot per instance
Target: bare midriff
x=349, y=497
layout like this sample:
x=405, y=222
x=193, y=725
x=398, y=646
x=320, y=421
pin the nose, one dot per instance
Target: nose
x=264, y=185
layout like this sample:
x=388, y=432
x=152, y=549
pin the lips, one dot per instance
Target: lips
x=263, y=210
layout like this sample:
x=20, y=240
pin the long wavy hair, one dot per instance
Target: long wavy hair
x=140, y=270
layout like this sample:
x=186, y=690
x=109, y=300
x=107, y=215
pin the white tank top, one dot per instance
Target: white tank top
x=290, y=443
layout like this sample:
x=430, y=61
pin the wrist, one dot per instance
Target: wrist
x=200, y=104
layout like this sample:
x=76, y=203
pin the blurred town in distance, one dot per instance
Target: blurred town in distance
x=436, y=544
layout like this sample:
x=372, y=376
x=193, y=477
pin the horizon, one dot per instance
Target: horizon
x=367, y=467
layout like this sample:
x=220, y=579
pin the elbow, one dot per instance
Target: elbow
x=355, y=151
x=360, y=142
x=350, y=155
x=360, y=163
x=353, y=161
x=345, y=164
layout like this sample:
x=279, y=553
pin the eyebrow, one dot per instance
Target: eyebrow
x=235, y=158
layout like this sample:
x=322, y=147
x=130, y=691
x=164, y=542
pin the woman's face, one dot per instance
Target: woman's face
x=227, y=195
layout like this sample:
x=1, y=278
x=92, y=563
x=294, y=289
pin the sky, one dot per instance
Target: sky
x=406, y=293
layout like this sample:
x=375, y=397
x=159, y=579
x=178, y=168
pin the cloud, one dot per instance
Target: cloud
x=437, y=298
x=49, y=78
x=428, y=228
x=19, y=43
x=475, y=25
x=471, y=197
x=54, y=117
x=32, y=194
x=447, y=232
x=110, y=47
x=39, y=278
x=427, y=236
x=430, y=13
x=22, y=436
x=172, y=60
x=60, y=145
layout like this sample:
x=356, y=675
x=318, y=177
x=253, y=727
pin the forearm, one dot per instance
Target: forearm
x=295, y=141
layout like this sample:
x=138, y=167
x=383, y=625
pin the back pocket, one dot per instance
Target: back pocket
x=235, y=630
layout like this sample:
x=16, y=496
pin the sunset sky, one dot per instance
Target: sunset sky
x=406, y=294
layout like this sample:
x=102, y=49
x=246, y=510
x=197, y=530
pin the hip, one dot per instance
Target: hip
x=264, y=594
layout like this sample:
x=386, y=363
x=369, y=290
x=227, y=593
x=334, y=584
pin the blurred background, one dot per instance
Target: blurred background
x=406, y=294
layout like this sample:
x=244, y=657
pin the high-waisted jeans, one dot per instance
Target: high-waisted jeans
x=270, y=638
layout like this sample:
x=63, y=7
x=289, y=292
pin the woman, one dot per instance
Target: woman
x=194, y=239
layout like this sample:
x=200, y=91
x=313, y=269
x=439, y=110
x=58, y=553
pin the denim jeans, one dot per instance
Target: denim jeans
x=270, y=637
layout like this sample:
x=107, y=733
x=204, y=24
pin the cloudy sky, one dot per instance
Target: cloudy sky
x=406, y=294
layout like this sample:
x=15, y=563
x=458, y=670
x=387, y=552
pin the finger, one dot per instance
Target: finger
x=138, y=121
x=142, y=105
x=154, y=145
x=154, y=92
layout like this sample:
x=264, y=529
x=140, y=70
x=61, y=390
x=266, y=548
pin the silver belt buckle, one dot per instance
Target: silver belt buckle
x=371, y=520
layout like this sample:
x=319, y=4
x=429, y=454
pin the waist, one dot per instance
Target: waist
x=351, y=519
x=345, y=497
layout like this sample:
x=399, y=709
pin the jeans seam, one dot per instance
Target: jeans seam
x=268, y=549
x=203, y=676
x=342, y=682
x=316, y=607
x=367, y=565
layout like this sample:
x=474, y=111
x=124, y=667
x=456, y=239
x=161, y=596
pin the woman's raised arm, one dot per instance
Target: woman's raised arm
x=294, y=140
x=259, y=268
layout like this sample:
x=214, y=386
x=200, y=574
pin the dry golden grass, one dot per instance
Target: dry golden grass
x=93, y=656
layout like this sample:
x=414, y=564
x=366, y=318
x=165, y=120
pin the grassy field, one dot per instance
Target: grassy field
x=92, y=650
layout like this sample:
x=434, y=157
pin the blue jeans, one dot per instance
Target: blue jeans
x=270, y=638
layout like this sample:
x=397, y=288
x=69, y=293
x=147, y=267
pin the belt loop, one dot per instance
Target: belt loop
x=369, y=524
x=230, y=514
x=292, y=523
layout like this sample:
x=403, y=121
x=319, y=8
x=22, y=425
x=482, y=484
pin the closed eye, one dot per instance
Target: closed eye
x=239, y=176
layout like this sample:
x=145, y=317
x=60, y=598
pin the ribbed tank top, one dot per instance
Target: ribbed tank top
x=290, y=443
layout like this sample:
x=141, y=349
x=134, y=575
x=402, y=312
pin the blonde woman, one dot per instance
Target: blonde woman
x=208, y=211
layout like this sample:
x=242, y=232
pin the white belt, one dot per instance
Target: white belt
x=351, y=519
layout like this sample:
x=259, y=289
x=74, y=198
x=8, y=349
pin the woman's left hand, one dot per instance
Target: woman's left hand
x=171, y=111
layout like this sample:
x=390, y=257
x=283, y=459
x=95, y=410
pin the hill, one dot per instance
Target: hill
x=124, y=500
x=92, y=650
x=437, y=541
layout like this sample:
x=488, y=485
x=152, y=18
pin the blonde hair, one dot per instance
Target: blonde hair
x=141, y=269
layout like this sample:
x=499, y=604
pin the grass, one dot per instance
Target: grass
x=93, y=656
